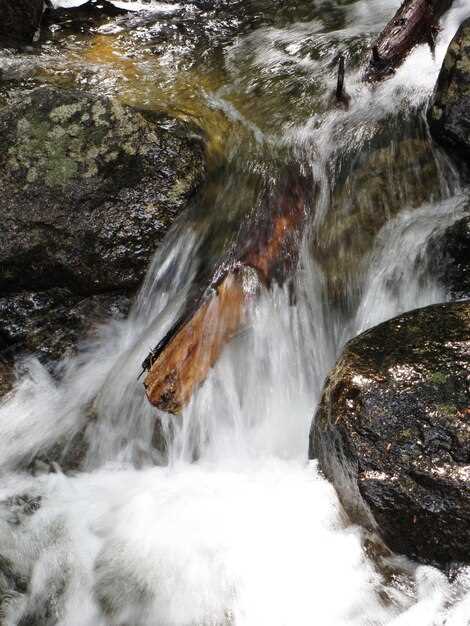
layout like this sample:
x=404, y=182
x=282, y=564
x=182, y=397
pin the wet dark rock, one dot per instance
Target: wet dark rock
x=22, y=313
x=449, y=113
x=66, y=455
x=392, y=432
x=450, y=254
x=19, y=22
x=50, y=323
x=105, y=7
x=81, y=18
x=88, y=188
x=202, y=28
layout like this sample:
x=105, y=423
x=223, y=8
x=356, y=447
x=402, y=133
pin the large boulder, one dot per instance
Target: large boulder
x=19, y=21
x=392, y=432
x=88, y=187
x=449, y=113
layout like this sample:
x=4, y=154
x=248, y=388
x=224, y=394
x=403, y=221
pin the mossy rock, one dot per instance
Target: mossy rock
x=88, y=187
x=392, y=432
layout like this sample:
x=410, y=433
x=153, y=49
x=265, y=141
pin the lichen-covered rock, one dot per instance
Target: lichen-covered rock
x=88, y=187
x=392, y=432
x=449, y=113
x=19, y=21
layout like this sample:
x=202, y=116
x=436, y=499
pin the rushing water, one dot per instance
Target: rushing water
x=231, y=524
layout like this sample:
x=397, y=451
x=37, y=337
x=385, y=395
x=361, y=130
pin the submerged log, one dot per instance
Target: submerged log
x=415, y=22
x=265, y=250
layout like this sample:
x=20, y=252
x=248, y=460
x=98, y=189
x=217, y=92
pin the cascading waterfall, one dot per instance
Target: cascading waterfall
x=231, y=525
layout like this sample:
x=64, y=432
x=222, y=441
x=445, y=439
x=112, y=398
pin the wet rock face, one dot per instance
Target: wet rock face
x=19, y=21
x=50, y=323
x=87, y=189
x=449, y=113
x=6, y=377
x=396, y=163
x=450, y=254
x=392, y=432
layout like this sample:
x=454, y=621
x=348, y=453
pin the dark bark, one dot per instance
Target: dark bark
x=341, y=95
x=415, y=22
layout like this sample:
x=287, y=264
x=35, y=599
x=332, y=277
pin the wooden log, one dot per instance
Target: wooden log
x=415, y=22
x=184, y=363
x=265, y=251
x=341, y=98
x=272, y=236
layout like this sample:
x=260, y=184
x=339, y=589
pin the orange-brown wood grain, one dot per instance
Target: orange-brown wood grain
x=181, y=362
x=185, y=362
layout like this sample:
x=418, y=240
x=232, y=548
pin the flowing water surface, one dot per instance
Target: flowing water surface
x=229, y=524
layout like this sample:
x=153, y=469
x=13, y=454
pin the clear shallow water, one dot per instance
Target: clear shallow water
x=249, y=533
